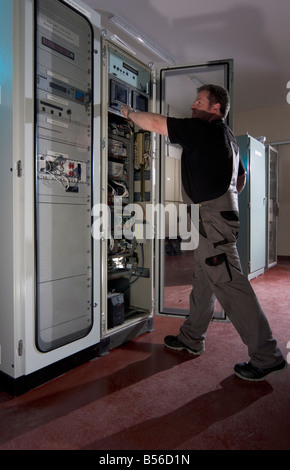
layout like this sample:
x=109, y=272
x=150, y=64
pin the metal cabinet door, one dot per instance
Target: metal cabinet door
x=257, y=206
x=178, y=86
x=273, y=206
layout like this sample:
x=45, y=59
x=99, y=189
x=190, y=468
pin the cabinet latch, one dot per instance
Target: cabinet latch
x=19, y=169
x=20, y=348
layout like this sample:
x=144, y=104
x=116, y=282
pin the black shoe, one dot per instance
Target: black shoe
x=247, y=371
x=173, y=342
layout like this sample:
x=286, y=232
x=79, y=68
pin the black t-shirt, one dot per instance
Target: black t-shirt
x=207, y=157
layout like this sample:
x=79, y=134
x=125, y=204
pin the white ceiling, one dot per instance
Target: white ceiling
x=254, y=33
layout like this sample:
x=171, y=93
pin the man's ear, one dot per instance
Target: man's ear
x=216, y=107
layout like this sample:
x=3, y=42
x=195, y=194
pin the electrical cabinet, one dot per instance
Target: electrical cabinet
x=50, y=158
x=253, y=207
x=272, y=205
x=127, y=188
x=91, y=205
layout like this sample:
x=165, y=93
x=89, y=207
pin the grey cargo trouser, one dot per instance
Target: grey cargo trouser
x=217, y=275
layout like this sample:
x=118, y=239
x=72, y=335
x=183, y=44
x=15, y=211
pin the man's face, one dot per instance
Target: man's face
x=202, y=109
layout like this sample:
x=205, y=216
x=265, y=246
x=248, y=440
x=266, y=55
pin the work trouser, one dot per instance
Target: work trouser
x=217, y=275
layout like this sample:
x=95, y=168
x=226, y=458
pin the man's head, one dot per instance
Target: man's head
x=212, y=102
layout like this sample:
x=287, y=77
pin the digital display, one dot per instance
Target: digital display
x=131, y=69
x=58, y=87
x=57, y=48
x=140, y=102
x=119, y=93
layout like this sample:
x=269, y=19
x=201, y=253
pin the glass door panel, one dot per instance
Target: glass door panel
x=178, y=88
x=63, y=191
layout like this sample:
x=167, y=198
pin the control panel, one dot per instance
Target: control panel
x=130, y=83
x=68, y=172
x=129, y=72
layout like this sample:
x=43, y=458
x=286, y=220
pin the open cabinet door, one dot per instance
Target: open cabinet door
x=174, y=259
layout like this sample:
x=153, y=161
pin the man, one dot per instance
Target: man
x=212, y=176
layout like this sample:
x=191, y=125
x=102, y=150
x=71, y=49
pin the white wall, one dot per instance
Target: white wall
x=274, y=123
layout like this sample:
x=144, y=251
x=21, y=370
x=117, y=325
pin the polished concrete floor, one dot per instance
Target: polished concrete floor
x=142, y=396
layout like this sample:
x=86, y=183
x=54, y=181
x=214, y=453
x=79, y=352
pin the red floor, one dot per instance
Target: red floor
x=143, y=396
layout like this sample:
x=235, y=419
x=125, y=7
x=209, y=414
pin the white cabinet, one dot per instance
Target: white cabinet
x=50, y=279
x=253, y=205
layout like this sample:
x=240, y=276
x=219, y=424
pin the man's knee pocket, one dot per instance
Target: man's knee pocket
x=219, y=268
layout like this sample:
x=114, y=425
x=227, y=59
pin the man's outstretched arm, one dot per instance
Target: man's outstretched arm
x=148, y=121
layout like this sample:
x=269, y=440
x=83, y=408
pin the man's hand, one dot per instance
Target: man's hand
x=125, y=109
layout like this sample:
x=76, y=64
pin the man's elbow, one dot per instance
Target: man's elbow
x=161, y=125
x=241, y=182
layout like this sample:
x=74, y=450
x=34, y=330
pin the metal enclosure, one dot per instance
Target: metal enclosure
x=127, y=191
x=253, y=207
x=272, y=205
x=64, y=136
x=50, y=133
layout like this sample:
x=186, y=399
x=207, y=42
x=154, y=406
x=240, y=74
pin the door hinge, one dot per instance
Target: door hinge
x=20, y=348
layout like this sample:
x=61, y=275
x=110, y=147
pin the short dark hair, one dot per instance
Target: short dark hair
x=217, y=94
